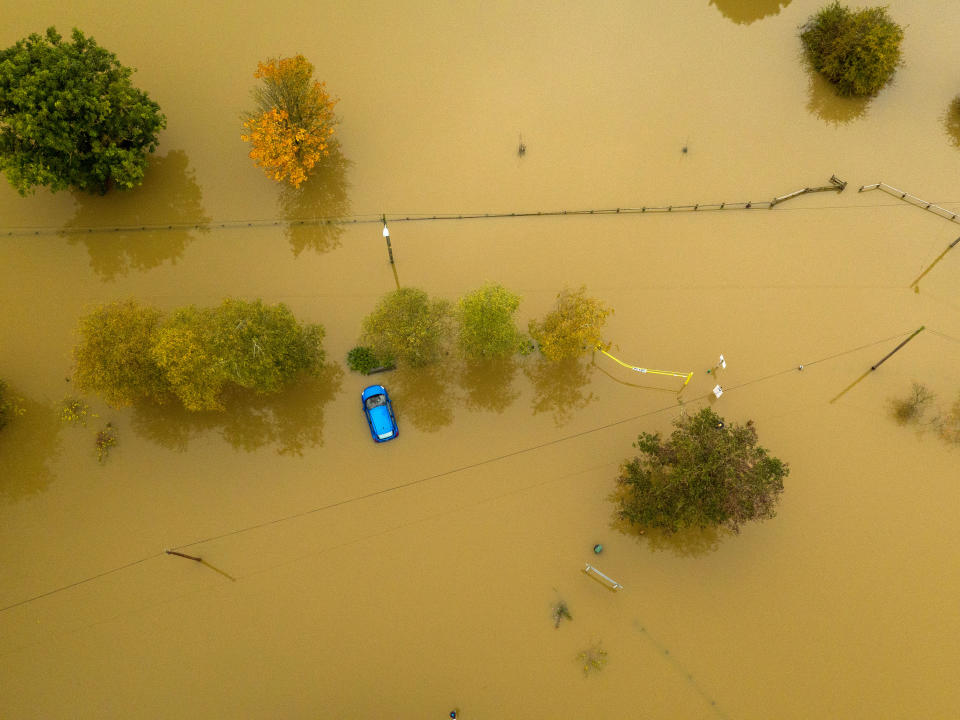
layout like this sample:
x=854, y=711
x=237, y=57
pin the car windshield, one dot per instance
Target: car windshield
x=375, y=401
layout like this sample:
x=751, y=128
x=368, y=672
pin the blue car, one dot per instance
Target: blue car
x=379, y=412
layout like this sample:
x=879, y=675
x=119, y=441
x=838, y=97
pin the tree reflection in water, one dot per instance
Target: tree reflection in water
x=744, y=12
x=169, y=195
x=685, y=543
x=27, y=445
x=323, y=195
x=291, y=420
x=558, y=387
x=489, y=383
x=423, y=396
x=830, y=107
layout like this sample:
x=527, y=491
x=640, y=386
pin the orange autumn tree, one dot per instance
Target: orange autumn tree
x=294, y=122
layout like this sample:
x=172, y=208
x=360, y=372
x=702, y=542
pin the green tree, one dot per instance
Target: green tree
x=70, y=117
x=130, y=352
x=487, y=329
x=408, y=327
x=856, y=51
x=114, y=358
x=706, y=475
x=573, y=327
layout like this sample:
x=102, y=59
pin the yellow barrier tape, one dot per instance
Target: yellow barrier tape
x=646, y=371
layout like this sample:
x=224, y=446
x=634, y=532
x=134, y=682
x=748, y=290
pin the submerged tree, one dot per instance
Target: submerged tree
x=573, y=327
x=408, y=327
x=487, y=329
x=9, y=406
x=707, y=474
x=130, y=352
x=290, y=131
x=70, y=117
x=857, y=51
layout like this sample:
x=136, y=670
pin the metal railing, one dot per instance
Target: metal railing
x=913, y=200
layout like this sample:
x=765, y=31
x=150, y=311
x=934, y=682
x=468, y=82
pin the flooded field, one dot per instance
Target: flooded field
x=348, y=580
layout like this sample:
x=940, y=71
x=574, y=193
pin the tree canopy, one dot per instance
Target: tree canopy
x=486, y=325
x=408, y=327
x=573, y=327
x=857, y=51
x=71, y=118
x=291, y=129
x=114, y=357
x=707, y=474
x=130, y=352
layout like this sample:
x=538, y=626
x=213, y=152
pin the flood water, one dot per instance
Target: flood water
x=348, y=580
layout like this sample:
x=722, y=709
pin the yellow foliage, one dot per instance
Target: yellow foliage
x=293, y=129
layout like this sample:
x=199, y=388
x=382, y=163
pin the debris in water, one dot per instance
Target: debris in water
x=521, y=148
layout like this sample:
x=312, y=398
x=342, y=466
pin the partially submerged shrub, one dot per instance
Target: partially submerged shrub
x=857, y=51
x=948, y=424
x=594, y=658
x=912, y=407
x=106, y=439
x=952, y=121
x=560, y=612
x=75, y=411
x=362, y=359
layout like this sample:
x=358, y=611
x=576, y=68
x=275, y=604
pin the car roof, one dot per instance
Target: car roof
x=373, y=390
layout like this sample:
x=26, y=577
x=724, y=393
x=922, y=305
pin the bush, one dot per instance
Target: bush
x=856, y=51
x=70, y=117
x=912, y=407
x=706, y=475
x=362, y=359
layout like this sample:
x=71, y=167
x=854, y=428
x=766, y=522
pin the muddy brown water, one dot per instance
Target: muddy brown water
x=407, y=603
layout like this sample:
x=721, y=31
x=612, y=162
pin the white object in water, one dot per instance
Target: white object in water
x=386, y=231
x=614, y=585
x=722, y=363
x=718, y=391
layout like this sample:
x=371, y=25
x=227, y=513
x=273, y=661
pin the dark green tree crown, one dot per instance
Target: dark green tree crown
x=70, y=117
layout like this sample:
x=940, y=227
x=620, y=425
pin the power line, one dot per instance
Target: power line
x=397, y=217
x=445, y=473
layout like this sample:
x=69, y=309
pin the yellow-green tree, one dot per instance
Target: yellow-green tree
x=858, y=51
x=292, y=127
x=486, y=326
x=129, y=352
x=408, y=327
x=113, y=358
x=573, y=327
